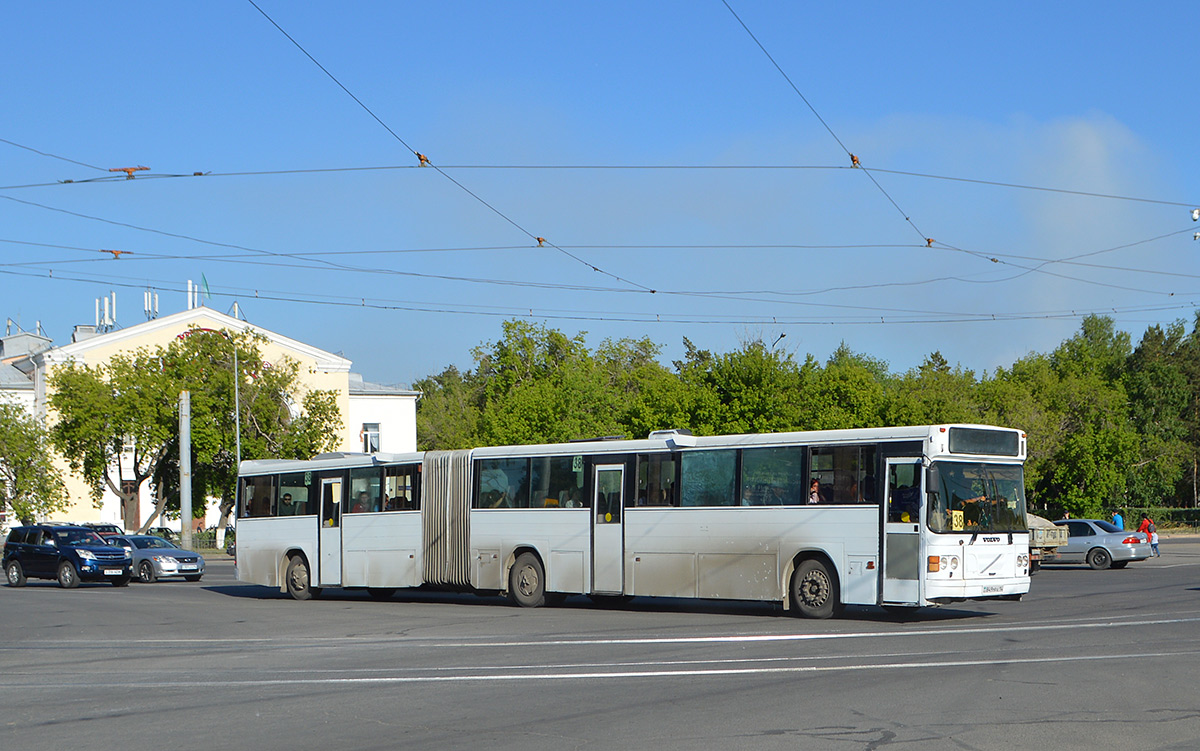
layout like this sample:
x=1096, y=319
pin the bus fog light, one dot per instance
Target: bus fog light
x=953, y=563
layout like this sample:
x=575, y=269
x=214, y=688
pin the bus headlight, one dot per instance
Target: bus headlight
x=938, y=563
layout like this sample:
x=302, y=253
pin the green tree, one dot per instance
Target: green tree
x=122, y=409
x=128, y=409
x=933, y=393
x=449, y=409
x=1159, y=397
x=30, y=484
x=753, y=389
x=279, y=419
x=539, y=385
x=1099, y=445
x=1025, y=397
x=849, y=392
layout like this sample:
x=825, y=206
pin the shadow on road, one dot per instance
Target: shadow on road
x=750, y=609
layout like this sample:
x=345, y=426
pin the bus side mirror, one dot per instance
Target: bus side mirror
x=932, y=483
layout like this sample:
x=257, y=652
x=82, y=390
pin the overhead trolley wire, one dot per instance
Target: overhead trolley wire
x=856, y=164
x=620, y=318
x=52, y=156
x=611, y=167
x=854, y=159
x=425, y=161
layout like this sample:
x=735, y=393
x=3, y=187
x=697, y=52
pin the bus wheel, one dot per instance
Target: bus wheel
x=298, y=584
x=814, y=590
x=527, y=582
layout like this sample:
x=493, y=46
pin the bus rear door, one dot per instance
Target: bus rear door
x=330, y=536
x=608, y=538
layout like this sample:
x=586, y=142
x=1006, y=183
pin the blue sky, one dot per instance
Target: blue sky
x=556, y=120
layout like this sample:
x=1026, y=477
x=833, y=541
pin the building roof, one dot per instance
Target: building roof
x=359, y=387
x=12, y=378
x=202, y=317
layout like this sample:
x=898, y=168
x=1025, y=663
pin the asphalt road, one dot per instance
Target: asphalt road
x=1095, y=660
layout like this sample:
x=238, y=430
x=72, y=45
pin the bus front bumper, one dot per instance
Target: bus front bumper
x=950, y=591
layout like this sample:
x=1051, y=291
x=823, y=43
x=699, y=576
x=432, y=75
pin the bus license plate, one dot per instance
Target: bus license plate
x=113, y=572
x=993, y=589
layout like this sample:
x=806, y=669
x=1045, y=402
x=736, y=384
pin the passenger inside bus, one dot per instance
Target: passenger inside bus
x=362, y=503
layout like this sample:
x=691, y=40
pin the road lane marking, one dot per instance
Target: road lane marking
x=324, y=641
x=595, y=675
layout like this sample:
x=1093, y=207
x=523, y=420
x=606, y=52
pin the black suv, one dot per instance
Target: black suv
x=68, y=554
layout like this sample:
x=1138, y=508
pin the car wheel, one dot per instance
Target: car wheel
x=68, y=577
x=381, y=593
x=299, y=585
x=1099, y=559
x=527, y=582
x=15, y=574
x=814, y=590
x=1119, y=564
x=146, y=572
x=193, y=577
x=121, y=581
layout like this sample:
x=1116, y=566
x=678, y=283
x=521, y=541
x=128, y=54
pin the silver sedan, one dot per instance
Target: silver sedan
x=154, y=558
x=1101, y=544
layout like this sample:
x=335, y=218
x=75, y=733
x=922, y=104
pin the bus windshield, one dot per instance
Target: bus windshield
x=976, y=497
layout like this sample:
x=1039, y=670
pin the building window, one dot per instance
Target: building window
x=370, y=437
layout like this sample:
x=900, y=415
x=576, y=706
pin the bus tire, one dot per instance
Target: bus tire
x=299, y=584
x=527, y=581
x=814, y=590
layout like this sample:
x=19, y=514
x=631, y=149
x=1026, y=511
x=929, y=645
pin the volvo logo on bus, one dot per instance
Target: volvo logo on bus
x=991, y=539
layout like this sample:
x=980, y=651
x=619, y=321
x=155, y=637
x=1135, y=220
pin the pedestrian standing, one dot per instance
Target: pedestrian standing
x=1154, y=538
x=1118, y=520
x=1144, y=527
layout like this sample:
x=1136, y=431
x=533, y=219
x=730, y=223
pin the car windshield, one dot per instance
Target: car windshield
x=77, y=537
x=152, y=542
x=976, y=497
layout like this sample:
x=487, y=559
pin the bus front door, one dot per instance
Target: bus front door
x=329, y=541
x=608, y=538
x=902, y=533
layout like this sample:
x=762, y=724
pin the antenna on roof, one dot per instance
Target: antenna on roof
x=150, y=304
x=108, y=321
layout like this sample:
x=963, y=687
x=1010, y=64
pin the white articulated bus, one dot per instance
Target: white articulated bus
x=904, y=517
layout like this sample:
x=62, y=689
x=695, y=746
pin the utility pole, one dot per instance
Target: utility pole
x=185, y=468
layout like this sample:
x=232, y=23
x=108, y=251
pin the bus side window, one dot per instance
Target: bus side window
x=401, y=488
x=656, y=481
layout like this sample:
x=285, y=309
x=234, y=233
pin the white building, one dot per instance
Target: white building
x=375, y=417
